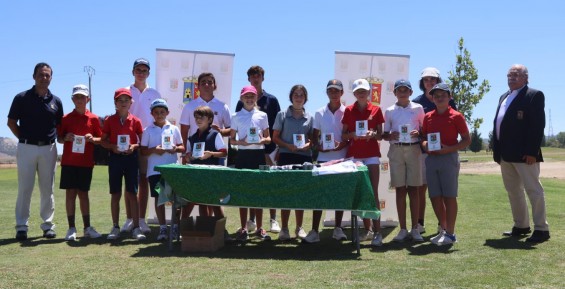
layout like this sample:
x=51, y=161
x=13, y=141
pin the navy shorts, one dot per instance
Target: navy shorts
x=126, y=167
x=153, y=181
x=293, y=159
x=75, y=178
x=249, y=159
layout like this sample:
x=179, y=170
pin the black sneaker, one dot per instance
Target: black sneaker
x=241, y=235
x=49, y=234
x=262, y=234
x=21, y=235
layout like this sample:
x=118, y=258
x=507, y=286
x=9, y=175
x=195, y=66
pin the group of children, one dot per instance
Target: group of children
x=335, y=130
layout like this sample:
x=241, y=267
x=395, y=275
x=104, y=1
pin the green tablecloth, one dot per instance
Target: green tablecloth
x=291, y=189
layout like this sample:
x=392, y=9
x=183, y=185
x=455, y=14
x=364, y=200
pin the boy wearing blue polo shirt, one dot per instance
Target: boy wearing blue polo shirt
x=161, y=141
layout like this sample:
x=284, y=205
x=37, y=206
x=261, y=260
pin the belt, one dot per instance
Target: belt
x=37, y=143
x=407, y=143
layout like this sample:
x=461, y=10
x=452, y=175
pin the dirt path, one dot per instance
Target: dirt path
x=548, y=169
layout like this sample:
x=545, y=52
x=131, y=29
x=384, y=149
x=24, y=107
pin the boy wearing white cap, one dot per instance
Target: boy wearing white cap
x=78, y=132
x=160, y=142
x=364, y=116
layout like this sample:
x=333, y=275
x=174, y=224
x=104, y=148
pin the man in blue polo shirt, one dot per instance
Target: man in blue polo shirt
x=33, y=118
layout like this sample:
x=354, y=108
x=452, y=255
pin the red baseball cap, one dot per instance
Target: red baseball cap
x=122, y=91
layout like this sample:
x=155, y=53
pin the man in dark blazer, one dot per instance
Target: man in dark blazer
x=518, y=132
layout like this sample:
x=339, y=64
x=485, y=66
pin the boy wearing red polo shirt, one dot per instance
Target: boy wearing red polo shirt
x=121, y=135
x=78, y=131
x=442, y=163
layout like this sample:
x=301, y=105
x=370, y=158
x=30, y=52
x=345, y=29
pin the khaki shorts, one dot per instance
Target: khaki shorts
x=405, y=165
x=143, y=164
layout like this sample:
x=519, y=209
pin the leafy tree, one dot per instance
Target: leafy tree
x=476, y=141
x=560, y=137
x=490, y=140
x=467, y=93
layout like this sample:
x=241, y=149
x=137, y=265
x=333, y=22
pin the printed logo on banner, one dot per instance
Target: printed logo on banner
x=376, y=89
x=191, y=91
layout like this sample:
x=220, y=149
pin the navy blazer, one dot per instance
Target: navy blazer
x=522, y=128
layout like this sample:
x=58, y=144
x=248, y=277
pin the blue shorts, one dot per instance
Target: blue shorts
x=153, y=181
x=126, y=166
x=442, y=174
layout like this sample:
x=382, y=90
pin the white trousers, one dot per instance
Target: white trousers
x=43, y=160
x=520, y=177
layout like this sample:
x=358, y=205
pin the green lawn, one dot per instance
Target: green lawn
x=481, y=259
x=549, y=155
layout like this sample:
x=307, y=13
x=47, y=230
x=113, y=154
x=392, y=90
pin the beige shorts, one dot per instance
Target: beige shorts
x=143, y=164
x=405, y=165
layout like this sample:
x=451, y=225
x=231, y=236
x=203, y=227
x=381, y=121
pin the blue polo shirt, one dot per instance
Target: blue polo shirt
x=37, y=116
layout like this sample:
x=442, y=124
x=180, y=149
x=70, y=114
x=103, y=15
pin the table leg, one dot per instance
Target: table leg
x=355, y=233
x=173, y=220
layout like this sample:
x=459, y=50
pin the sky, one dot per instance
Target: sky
x=294, y=41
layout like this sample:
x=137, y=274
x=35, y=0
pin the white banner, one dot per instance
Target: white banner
x=381, y=70
x=177, y=80
x=177, y=76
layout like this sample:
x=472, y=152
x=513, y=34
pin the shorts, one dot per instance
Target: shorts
x=143, y=164
x=442, y=174
x=368, y=161
x=73, y=177
x=249, y=159
x=405, y=165
x=292, y=159
x=423, y=164
x=126, y=166
x=153, y=181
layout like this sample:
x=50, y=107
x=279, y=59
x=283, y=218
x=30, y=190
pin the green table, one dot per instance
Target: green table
x=276, y=189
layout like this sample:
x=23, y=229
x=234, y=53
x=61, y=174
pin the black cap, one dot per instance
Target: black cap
x=335, y=83
x=141, y=61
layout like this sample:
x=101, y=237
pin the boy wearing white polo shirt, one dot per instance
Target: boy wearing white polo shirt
x=161, y=141
x=327, y=128
x=403, y=121
x=142, y=96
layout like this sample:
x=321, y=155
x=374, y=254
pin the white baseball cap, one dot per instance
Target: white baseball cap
x=361, y=84
x=430, y=71
x=80, y=89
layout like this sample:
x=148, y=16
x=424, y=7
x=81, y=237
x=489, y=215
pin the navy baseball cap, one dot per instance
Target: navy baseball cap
x=335, y=83
x=402, y=83
x=141, y=61
x=440, y=86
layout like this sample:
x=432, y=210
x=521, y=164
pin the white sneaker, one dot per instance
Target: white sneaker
x=91, y=233
x=300, y=233
x=275, y=228
x=312, y=237
x=137, y=234
x=377, y=240
x=402, y=236
x=421, y=229
x=366, y=236
x=163, y=234
x=71, y=234
x=251, y=226
x=284, y=235
x=338, y=234
x=114, y=233
x=446, y=239
x=143, y=226
x=415, y=234
x=436, y=238
x=128, y=225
